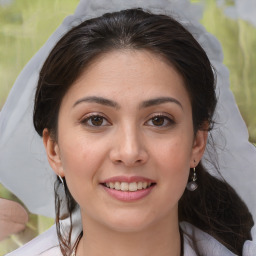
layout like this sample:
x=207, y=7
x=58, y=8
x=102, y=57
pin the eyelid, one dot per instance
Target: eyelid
x=167, y=116
x=85, y=118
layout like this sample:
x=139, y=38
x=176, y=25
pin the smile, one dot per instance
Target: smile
x=126, y=186
x=128, y=189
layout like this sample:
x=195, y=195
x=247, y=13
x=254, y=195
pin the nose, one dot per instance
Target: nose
x=128, y=148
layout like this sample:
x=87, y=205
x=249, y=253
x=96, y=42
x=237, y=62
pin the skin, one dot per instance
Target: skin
x=129, y=142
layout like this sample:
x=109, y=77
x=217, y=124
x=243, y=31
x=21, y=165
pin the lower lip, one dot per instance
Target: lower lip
x=128, y=196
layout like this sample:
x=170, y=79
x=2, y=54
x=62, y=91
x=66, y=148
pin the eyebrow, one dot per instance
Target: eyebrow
x=158, y=101
x=98, y=100
x=144, y=104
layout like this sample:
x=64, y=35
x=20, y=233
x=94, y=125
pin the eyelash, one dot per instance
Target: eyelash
x=90, y=117
x=167, y=120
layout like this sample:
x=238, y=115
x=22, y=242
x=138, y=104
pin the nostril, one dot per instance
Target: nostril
x=128, y=157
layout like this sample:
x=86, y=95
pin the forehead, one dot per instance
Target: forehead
x=130, y=74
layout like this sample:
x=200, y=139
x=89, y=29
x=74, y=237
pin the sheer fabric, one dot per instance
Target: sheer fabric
x=47, y=244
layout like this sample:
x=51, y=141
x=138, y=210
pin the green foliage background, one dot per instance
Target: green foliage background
x=24, y=27
x=238, y=39
x=26, y=24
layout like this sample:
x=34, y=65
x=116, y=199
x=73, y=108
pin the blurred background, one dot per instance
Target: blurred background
x=26, y=24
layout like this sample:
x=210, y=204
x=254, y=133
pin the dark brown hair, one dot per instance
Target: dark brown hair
x=215, y=207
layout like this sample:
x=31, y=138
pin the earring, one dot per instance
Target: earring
x=61, y=180
x=192, y=185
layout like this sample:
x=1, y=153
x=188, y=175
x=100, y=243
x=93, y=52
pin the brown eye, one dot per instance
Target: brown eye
x=95, y=121
x=158, y=120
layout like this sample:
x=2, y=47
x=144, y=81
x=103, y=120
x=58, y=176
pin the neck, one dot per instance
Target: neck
x=162, y=239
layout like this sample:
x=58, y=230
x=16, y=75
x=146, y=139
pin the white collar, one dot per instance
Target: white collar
x=46, y=244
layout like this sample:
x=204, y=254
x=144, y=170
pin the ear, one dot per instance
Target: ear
x=53, y=153
x=198, y=148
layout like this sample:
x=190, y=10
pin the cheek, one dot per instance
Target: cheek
x=81, y=160
x=79, y=154
x=174, y=153
x=172, y=160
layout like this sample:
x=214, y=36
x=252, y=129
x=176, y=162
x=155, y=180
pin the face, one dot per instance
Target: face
x=126, y=141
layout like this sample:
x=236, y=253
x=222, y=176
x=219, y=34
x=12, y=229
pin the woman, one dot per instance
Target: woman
x=124, y=104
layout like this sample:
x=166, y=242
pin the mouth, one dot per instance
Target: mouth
x=128, y=189
x=128, y=186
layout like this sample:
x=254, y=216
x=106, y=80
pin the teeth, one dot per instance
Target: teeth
x=117, y=185
x=144, y=184
x=125, y=186
x=133, y=186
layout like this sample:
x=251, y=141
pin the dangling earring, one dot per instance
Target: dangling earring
x=192, y=185
x=62, y=181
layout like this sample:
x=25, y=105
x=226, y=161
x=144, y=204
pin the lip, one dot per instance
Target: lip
x=128, y=179
x=128, y=196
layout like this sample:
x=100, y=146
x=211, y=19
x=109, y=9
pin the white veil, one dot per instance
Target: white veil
x=24, y=169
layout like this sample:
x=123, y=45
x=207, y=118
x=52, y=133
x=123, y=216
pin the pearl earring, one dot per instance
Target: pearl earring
x=192, y=185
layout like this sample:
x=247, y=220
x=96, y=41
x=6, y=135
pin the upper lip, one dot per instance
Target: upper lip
x=128, y=179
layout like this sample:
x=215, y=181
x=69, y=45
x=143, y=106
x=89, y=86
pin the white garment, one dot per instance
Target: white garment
x=47, y=244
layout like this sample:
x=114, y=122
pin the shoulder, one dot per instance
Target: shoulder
x=206, y=244
x=250, y=246
x=45, y=244
x=209, y=246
